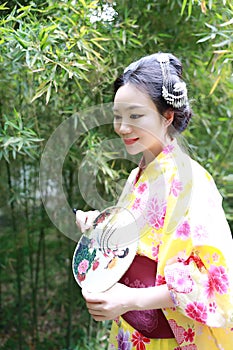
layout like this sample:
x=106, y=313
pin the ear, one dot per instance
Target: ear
x=169, y=116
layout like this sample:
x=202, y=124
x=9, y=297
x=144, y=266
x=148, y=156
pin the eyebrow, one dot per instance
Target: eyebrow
x=115, y=109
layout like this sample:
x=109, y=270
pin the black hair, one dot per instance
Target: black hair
x=147, y=76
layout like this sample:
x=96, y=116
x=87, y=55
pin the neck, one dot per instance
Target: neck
x=150, y=156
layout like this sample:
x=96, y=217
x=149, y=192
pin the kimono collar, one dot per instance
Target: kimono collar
x=168, y=149
x=142, y=164
x=163, y=154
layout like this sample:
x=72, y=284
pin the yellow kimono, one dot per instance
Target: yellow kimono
x=183, y=228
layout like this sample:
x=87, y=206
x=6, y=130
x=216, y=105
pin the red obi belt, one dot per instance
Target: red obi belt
x=150, y=323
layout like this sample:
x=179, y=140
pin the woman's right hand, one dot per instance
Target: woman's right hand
x=84, y=219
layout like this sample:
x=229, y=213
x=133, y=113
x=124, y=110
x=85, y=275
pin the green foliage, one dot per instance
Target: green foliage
x=16, y=138
x=60, y=57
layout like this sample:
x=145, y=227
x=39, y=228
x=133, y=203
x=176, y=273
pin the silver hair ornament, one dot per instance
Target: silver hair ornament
x=175, y=95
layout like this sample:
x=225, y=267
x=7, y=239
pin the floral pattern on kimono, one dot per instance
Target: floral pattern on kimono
x=182, y=225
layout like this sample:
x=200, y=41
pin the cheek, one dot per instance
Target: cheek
x=116, y=127
x=146, y=128
x=155, y=127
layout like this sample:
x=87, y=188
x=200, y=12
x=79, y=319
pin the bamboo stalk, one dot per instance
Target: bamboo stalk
x=18, y=261
x=43, y=247
x=34, y=324
x=69, y=272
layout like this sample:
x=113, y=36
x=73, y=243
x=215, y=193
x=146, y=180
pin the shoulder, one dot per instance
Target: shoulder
x=203, y=180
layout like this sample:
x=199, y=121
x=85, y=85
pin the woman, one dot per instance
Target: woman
x=177, y=293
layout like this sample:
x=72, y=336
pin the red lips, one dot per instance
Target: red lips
x=130, y=141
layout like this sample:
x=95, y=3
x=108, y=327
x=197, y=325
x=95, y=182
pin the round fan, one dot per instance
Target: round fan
x=105, y=251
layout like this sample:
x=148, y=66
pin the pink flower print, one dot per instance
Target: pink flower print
x=219, y=279
x=209, y=288
x=137, y=284
x=178, y=331
x=189, y=335
x=183, y=231
x=136, y=204
x=83, y=266
x=155, y=252
x=215, y=257
x=126, y=281
x=200, y=233
x=168, y=149
x=212, y=307
x=142, y=187
x=176, y=187
x=197, y=311
x=160, y=280
x=156, y=213
x=179, y=279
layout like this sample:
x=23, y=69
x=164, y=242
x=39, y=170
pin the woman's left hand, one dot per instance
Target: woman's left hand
x=110, y=304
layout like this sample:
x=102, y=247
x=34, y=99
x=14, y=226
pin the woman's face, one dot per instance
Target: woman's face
x=138, y=122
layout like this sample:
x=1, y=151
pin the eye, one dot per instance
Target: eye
x=117, y=117
x=136, y=116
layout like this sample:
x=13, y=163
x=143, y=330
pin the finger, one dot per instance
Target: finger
x=99, y=318
x=94, y=306
x=90, y=297
x=94, y=312
x=98, y=315
x=81, y=219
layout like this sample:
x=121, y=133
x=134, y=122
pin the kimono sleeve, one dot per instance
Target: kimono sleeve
x=201, y=287
x=201, y=283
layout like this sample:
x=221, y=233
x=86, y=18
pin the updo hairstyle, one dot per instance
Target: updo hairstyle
x=146, y=75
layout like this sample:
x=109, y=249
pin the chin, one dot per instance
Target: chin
x=132, y=151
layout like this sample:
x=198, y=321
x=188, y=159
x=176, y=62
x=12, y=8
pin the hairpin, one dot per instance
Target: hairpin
x=175, y=95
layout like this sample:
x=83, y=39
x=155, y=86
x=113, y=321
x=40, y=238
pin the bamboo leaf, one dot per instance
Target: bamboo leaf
x=44, y=42
x=22, y=42
x=183, y=7
x=202, y=40
x=222, y=43
x=83, y=2
x=124, y=37
x=190, y=6
x=215, y=85
x=14, y=153
x=214, y=29
x=203, y=6
x=3, y=7
x=10, y=123
x=24, y=9
x=40, y=92
x=11, y=140
x=48, y=94
x=20, y=145
x=227, y=23
x=98, y=45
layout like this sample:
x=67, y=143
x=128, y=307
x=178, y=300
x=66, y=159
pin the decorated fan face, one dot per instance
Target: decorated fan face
x=105, y=252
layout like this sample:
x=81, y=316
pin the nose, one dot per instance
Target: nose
x=124, y=128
